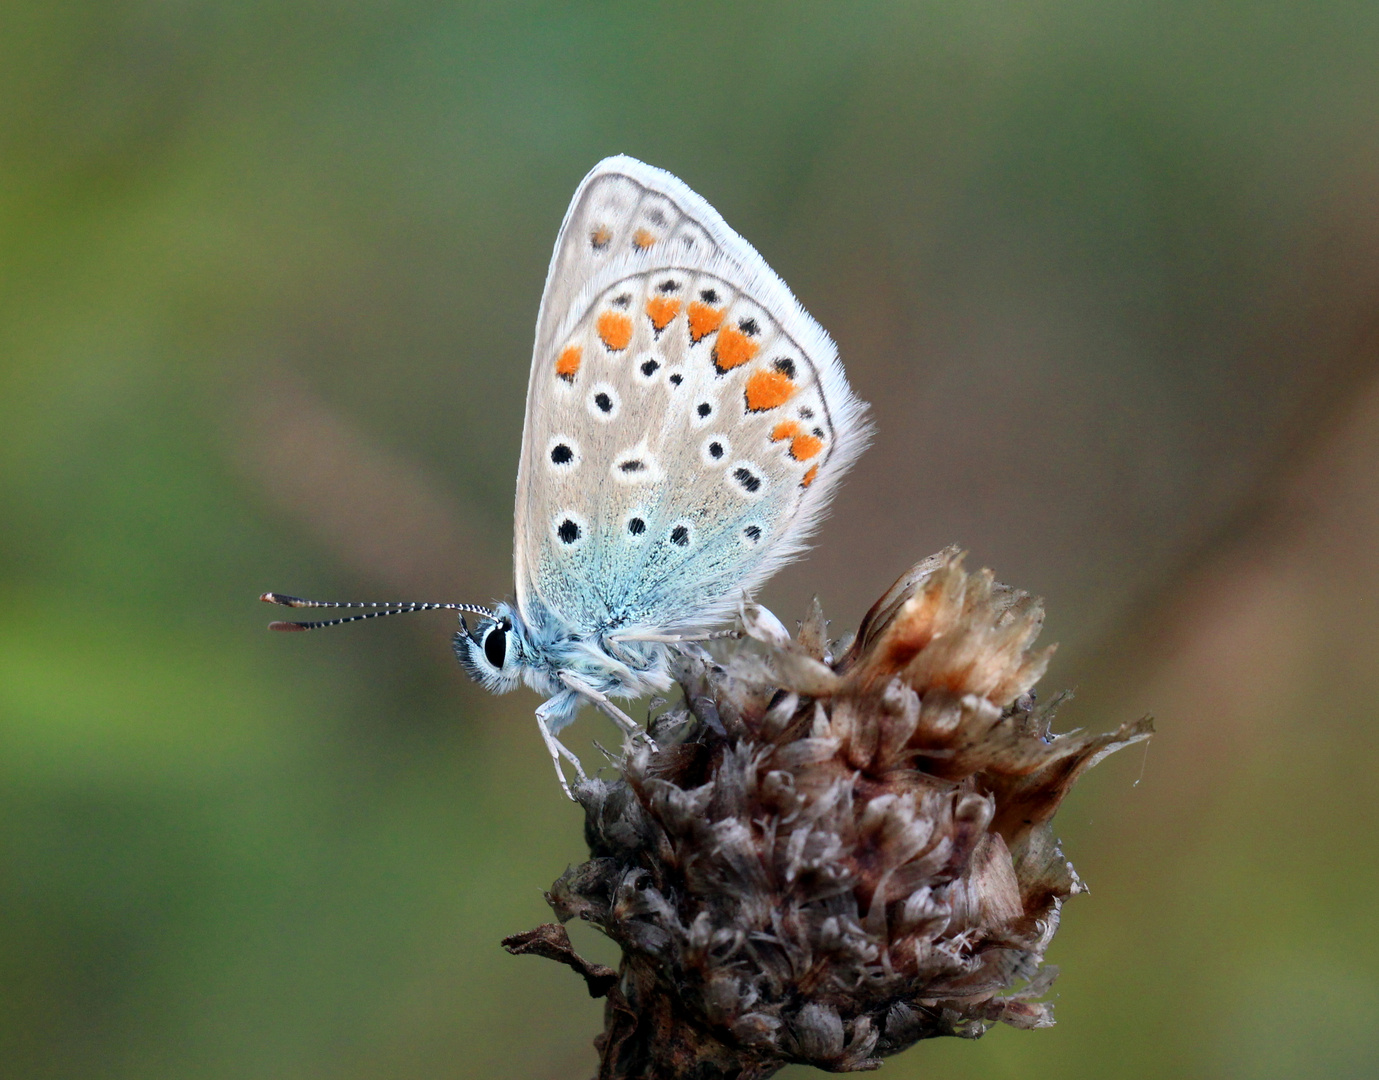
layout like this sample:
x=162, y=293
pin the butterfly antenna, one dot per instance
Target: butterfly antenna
x=398, y=608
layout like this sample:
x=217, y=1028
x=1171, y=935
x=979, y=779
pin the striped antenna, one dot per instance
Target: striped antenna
x=399, y=608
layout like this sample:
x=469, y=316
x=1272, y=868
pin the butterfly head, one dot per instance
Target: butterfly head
x=493, y=650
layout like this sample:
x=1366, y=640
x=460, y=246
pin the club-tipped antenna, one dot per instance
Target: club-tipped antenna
x=400, y=607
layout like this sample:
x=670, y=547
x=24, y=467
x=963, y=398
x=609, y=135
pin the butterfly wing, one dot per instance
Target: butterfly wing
x=686, y=418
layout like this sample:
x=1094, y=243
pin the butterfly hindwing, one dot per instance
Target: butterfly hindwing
x=686, y=418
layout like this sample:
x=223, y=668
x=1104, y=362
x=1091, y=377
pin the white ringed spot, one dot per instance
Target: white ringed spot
x=602, y=402
x=569, y=529
x=746, y=479
x=563, y=454
x=715, y=450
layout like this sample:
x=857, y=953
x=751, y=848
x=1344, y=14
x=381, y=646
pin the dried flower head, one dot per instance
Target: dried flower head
x=830, y=859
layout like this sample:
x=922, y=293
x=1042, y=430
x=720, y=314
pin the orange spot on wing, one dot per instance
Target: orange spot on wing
x=600, y=237
x=732, y=349
x=767, y=389
x=809, y=476
x=661, y=310
x=703, y=320
x=643, y=239
x=567, y=364
x=803, y=446
x=615, y=329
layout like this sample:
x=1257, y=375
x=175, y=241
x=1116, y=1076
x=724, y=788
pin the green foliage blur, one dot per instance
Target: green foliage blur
x=268, y=277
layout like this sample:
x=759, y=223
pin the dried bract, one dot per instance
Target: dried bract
x=829, y=859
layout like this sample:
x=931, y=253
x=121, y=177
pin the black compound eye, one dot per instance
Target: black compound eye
x=496, y=646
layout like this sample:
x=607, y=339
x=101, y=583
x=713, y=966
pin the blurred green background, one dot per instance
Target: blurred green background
x=268, y=277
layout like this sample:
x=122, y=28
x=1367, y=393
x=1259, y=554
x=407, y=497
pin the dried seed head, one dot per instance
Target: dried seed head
x=836, y=859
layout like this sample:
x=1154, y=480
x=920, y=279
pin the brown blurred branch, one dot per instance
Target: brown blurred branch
x=1323, y=466
x=379, y=514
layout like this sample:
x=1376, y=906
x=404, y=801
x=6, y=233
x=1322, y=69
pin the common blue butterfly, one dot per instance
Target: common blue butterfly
x=687, y=421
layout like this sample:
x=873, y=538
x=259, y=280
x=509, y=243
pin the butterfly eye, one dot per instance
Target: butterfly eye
x=496, y=646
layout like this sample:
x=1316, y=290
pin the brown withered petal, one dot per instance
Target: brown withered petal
x=827, y=860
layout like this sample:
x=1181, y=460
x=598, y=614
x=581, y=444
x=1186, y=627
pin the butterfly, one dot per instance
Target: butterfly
x=686, y=423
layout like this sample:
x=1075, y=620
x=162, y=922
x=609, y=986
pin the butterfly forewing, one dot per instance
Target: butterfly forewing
x=611, y=217
x=685, y=416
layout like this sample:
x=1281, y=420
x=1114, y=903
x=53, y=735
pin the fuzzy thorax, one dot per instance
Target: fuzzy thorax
x=505, y=650
x=832, y=857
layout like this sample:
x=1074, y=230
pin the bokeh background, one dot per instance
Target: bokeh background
x=268, y=277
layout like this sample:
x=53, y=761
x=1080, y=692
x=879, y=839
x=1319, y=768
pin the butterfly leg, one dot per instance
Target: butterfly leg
x=615, y=648
x=679, y=639
x=604, y=704
x=556, y=748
